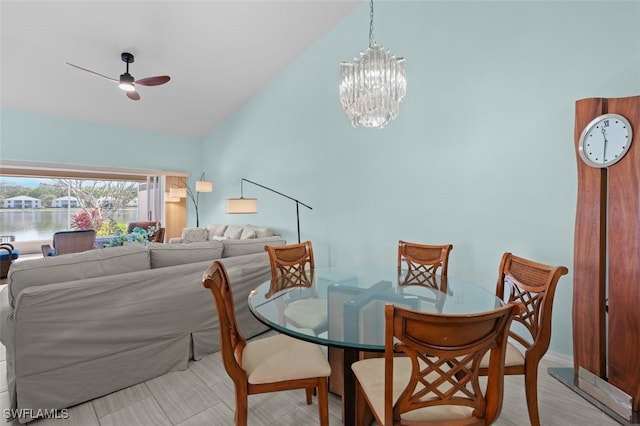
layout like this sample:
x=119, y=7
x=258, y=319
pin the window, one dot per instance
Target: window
x=38, y=200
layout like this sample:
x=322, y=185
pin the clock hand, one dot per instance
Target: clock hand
x=604, y=148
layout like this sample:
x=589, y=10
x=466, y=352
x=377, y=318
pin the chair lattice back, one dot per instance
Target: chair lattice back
x=292, y=264
x=532, y=285
x=445, y=353
x=418, y=264
x=232, y=341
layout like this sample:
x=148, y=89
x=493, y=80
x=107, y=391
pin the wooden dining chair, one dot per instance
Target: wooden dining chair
x=271, y=364
x=430, y=371
x=420, y=264
x=293, y=266
x=533, y=285
x=292, y=261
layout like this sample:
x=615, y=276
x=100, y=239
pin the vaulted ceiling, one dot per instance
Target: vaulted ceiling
x=218, y=54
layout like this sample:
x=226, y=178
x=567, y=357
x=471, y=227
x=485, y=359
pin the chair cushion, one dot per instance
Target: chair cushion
x=4, y=255
x=512, y=358
x=307, y=313
x=370, y=375
x=279, y=358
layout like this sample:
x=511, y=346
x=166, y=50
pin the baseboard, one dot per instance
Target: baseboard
x=559, y=358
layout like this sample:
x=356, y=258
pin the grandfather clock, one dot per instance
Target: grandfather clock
x=606, y=265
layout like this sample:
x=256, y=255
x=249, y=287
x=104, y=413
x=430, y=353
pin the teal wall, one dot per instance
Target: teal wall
x=40, y=138
x=481, y=155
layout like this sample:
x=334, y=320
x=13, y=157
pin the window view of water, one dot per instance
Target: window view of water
x=41, y=224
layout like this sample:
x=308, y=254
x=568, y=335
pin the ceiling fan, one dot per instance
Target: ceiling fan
x=126, y=81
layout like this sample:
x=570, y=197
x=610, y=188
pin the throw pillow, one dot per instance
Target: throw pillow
x=248, y=232
x=262, y=232
x=194, y=235
x=233, y=232
x=216, y=230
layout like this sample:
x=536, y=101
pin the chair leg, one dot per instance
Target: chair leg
x=531, y=390
x=241, y=408
x=309, y=395
x=361, y=406
x=323, y=401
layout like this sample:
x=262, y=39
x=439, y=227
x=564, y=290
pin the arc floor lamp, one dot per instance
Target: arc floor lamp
x=250, y=205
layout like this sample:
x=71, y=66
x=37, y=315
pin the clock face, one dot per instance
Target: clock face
x=605, y=140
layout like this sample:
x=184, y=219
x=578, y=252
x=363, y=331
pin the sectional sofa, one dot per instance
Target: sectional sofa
x=80, y=326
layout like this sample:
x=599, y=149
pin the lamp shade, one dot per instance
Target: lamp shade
x=204, y=186
x=178, y=192
x=242, y=205
x=169, y=199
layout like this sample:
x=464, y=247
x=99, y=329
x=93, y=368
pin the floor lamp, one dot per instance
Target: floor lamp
x=184, y=192
x=250, y=205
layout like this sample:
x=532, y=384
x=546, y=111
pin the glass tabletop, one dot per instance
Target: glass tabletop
x=344, y=306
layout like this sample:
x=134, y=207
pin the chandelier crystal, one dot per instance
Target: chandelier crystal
x=373, y=85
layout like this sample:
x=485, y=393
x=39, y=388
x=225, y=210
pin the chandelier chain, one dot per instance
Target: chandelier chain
x=371, y=23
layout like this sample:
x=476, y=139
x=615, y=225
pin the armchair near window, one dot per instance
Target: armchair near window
x=7, y=255
x=158, y=235
x=65, y=242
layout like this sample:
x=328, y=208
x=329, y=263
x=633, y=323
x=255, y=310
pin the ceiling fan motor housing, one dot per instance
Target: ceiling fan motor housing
x=127, y=57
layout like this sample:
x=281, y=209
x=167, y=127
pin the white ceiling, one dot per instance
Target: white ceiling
x=218, y=54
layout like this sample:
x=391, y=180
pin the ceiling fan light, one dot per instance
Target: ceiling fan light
x=126, y=82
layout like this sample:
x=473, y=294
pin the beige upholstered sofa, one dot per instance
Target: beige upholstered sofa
x=83, y=325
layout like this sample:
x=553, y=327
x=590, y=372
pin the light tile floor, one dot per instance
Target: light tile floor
x=203, y=395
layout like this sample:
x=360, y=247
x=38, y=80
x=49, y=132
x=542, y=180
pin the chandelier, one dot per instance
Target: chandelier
x=372, y=86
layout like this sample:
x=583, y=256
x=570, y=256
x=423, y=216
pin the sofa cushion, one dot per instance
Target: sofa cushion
x=216, y=230
x=163, y=255
x=77, y=266
x=194, y=235
x=255, y=245
x=233, y=232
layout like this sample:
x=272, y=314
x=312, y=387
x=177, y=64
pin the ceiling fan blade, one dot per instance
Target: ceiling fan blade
x=133, y=95
x=94, y=73
x=153, y=81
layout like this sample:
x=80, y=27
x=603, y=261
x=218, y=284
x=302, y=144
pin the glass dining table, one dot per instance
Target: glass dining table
x=343, y=308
